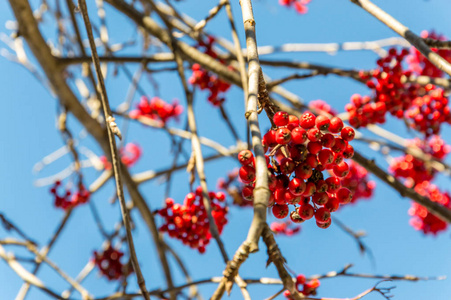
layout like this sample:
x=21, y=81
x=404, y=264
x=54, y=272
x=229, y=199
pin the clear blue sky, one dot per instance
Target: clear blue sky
x=28, y=134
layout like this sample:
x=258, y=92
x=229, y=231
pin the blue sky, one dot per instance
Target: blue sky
x=28, y=134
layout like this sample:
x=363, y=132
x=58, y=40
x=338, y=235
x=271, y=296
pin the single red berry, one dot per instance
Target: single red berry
x=293, y=122
x=333, y=184
x=339, y=145
x=321, y=186
x=306, y=211
x=297, y=186
x=269, y=139
x=324, y=225
x=322, y=122
x=311, y=160
x=283, y=136
x=314, y=134
x=303, y=171
x=280, y=118
x=347, y=134
x=314, y=147
x=320, y=198
x=298, y=136
x=248, y=193
x=245, y=157
x=348, y=152
x=336, y=125
x=280, y=211
x=341, y=170
x=287, y=165
x=328, y=140
x=333, y=204
x=344, y=195
x=307, y=120
x=325, y=156
x=247, y=174
x=322, y=215
x=310, y=189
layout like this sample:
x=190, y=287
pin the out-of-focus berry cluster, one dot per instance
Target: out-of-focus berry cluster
x=299, y=5
x=129, y=156
x=67, y=199
x=109, y=263
x=157, y=110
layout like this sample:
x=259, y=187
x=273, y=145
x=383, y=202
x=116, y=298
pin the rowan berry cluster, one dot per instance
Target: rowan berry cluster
x=68, y=200
x=189, y=222
x=285, y=228
x=303, y=148
x=415, y=170
x=391, y=93
x=424, y=220
x=129, y=156
x=421, y=65
x=234, y=188
x=206, y=80
x=304, y=287
x=428, y=112
x=109, y=264
x=322, y=106
x=157, y=110
x=357, y=182
x=299, y=5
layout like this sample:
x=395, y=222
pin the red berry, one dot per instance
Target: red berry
x=307, y=120
x=347, y=134
x=247, y=174
x=333, y=184
x=324, y=225
x=333, y=204
x=287, y=165
x=298, y=136
x=306, y=211
x=322, y=215
x=314, y=134
x=245, y=157
x=248, y=193
x=326, y=156
x=310, y=189
x=348, y=152
x=280, y=211
x=280, y=118
x=314, y=147
x=344, y=195
x=322, y=122
x=339, y=145
x=297, y=186
x=283, y=136
x=303, y=171
x=328, y=140
x=320, y=198
x=336, y=125
x=341, y=170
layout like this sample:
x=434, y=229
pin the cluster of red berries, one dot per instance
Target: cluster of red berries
x=157, y=110
x=421, y=65
x=129, y=156
x=109, y=264
x=422, y=219
x=304, y=148
x=391, y=93
x=428, y=112
x=322, y=106
x=189, y=222
x=304, y=287
x=415, y=170
x=285, y=228
x=206, y=80
x=69, y=200
x=299, y=5
x=358, y=183
x=234, y=188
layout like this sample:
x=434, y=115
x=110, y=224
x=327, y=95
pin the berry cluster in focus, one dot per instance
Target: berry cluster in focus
x=189, y=222
x=299, y=150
